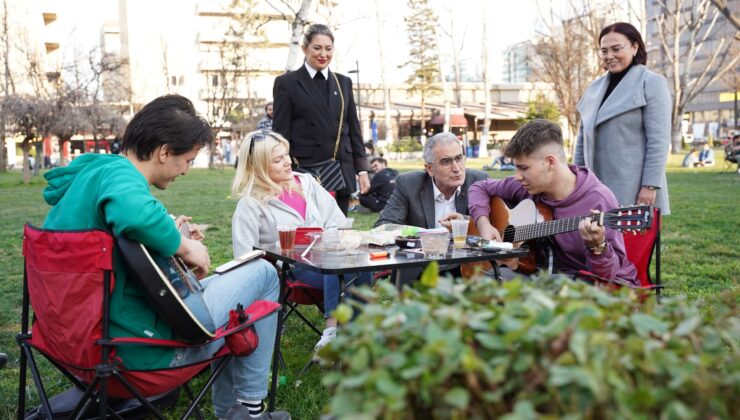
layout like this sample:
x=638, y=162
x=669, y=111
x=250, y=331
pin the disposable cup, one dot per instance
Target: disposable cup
x=434, y=243
x=286, y=235
x=459, y=231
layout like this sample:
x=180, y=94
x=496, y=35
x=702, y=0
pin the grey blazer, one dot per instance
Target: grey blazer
x=625, y=141
x=412, y=201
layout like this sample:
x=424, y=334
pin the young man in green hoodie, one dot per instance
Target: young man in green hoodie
x=111, y=192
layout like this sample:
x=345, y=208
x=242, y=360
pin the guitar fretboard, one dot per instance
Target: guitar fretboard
x=538, y=230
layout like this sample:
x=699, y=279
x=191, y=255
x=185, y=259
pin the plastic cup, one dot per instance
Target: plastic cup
x=434, y=243
x=348, y=222
x=459, y=231
x=286, y=235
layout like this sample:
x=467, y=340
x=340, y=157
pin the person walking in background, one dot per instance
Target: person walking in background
x=626, y=122
x=266, y=122
x=310, y=103
x=381, y=187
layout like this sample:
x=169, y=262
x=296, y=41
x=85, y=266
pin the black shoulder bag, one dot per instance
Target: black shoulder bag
x=329, y=172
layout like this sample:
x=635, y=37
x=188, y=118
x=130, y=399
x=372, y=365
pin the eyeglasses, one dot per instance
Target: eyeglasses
x=615, y=49
x=255, y=138
x=445, y=162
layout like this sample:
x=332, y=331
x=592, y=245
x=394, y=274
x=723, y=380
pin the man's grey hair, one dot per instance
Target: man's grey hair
x=439, y=139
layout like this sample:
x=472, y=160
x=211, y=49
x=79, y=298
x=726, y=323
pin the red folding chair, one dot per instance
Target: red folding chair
x=640, y=249
x=68, y=279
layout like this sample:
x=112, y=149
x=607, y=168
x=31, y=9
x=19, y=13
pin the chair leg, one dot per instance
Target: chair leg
x=215, y=374
x=22, y=386
x=135, y=392
x=278, y=334
x=189, y=393
x=307, y=321
x=37, y=380
x=311, y=362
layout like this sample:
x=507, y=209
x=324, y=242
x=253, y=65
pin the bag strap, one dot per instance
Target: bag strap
x=341, y=116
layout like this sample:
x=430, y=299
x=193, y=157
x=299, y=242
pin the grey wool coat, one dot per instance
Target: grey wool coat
x=625, y=141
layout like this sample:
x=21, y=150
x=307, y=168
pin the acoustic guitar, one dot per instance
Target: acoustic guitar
x=167, y=282
x=528, y=221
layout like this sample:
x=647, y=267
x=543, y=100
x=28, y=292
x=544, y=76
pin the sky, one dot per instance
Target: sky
x=357, y=33
x=507, y=23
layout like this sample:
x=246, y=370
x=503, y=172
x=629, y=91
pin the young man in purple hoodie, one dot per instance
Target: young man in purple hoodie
x=543, y=175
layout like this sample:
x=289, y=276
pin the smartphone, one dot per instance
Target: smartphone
x=185, y=230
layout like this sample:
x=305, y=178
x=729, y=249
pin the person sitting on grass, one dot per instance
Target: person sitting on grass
x=271, y=194
x=382, y=184
x=543, y=175
x=706, y=156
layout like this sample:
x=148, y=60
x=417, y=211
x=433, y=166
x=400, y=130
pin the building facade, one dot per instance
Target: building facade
x=713, y=112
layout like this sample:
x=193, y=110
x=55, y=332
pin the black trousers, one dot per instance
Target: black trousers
x=343, y=203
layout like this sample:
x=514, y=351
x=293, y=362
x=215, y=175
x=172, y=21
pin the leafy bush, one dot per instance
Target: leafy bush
x=405, y=145
x=551, y=347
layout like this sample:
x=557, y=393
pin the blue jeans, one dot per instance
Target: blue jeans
x=329, y=283
x=244, y=377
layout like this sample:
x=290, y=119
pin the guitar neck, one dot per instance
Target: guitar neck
x=525, y=233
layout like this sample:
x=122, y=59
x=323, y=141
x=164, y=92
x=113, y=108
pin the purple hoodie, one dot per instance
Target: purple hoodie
x=571, y=254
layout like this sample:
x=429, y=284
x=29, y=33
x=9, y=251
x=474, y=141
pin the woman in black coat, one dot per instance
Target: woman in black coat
x=307, y=107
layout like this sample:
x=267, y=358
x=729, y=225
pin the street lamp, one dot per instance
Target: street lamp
x=359, y=94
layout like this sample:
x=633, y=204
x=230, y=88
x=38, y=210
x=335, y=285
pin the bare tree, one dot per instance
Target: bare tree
x=7, y=85
x=165, y=63
x=456, y=50
x=724, y=8
x=298, y=20
x=423, y=61
x=228, y=82
x=102, y=82
x=566, y=56
x=483, y=146
x=69, y=122
x=31, y=117
x=686, y=31
x=386, y=90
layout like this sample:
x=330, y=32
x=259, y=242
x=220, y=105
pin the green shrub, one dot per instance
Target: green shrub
x=552, y=347
x=405, y=145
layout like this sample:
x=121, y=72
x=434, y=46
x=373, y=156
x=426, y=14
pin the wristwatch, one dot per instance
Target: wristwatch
x=651, y=187
x=598, y=249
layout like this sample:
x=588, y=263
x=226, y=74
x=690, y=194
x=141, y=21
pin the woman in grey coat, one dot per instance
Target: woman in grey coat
x=626, y=122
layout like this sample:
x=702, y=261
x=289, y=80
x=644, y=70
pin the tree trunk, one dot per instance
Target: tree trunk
x=386, y=90
x=62, y=159
x=423, y=136
x=483, y=145
x=26, y=145
x=295, y=39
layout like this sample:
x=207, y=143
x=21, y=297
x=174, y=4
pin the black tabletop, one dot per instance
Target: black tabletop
x=335, y=262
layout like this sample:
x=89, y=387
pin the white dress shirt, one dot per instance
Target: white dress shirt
x=442, y=205
x=312, y=71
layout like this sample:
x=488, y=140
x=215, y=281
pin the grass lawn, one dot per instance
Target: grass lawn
x=701, y=256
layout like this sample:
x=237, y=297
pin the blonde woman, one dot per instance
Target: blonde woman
x=271, y=194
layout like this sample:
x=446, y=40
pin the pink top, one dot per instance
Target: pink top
x=294, y=200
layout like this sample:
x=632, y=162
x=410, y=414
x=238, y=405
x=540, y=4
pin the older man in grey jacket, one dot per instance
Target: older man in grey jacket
x=432, y=197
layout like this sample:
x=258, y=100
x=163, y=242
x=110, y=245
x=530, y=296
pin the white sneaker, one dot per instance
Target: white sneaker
x=329, y=335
